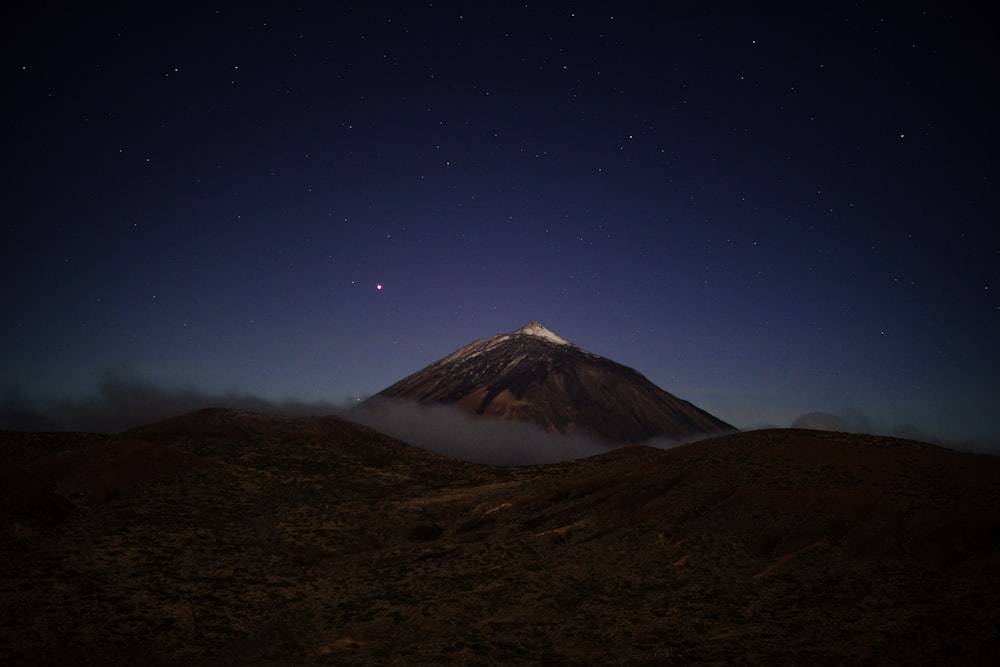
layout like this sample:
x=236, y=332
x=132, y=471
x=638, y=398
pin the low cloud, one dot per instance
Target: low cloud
x=125, y=399
x=451, y=432
x=856, y=421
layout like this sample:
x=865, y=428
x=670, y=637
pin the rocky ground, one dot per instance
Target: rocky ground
x=229, y=538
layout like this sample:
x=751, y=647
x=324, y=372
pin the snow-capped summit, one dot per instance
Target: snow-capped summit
x=536, y=329
x=534, y=375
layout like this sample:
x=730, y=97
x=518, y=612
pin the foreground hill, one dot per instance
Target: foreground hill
x=230, y=538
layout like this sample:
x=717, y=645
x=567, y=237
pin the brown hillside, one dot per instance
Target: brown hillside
x=256, y=540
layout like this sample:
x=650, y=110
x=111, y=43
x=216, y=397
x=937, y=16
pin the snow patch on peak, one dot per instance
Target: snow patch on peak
x=536, y=329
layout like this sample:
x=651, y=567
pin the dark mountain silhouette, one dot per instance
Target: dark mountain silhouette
x=534, y=375
x=224, y=537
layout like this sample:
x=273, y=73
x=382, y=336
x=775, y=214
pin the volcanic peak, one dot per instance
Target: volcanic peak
x=536, y=376
x=536, y=329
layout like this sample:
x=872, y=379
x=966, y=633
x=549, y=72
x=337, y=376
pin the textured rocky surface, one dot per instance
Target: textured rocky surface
x=534, y=375
x=230, y=538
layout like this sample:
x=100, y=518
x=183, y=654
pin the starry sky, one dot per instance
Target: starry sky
x=768, y=213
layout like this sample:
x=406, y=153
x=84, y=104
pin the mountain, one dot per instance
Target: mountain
x=224, y=537
x=536, y=376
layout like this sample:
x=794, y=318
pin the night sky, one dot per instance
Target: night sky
x=766, y=213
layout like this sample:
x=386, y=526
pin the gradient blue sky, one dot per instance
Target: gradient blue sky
x=767, y=213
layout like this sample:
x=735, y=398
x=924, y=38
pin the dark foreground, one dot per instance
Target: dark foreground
x=227, y=538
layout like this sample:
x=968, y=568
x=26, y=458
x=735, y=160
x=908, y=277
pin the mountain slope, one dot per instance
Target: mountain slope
x=534, y=375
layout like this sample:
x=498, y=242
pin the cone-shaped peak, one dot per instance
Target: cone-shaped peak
x=536, y=329
x=533, y=375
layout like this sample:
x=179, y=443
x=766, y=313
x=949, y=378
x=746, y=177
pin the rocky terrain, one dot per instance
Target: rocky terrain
x=231, y=538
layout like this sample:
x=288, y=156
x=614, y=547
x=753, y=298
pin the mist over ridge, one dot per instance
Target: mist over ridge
x=123, y=399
